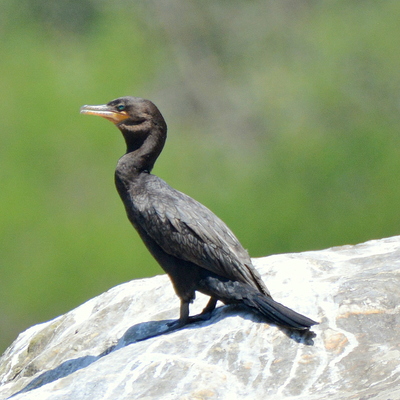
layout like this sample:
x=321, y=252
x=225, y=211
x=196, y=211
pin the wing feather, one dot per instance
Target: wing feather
x=186, y=229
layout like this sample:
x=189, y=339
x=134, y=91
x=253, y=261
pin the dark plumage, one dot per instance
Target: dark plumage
x=194, y=247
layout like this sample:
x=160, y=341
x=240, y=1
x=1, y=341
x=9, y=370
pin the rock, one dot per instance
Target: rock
x=100, y=350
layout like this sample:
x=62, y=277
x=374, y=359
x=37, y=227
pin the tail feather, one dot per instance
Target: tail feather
x=233, y=292
x=276, y=312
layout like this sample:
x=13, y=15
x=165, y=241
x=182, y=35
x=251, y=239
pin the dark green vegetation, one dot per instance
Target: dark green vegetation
x=283, y=119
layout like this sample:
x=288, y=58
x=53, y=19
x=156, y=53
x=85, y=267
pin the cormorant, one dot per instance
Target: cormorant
x=194, y=247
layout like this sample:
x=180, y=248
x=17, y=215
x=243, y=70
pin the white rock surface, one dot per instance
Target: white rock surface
x=95, y=352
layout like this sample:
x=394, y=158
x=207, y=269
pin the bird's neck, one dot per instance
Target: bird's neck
x=143, y=149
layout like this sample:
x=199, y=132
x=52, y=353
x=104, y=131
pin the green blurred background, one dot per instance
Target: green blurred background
x=283, y=119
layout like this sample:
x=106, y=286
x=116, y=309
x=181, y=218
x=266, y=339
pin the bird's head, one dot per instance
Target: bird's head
x=135, y=117
x=127, y=112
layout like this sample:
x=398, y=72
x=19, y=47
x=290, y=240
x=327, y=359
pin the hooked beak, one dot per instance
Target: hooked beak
x=106, y=112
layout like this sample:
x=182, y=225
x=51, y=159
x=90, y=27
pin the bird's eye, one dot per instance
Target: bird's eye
x=121, y=107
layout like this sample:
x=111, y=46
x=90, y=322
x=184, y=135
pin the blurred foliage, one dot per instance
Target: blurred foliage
x=283, y=119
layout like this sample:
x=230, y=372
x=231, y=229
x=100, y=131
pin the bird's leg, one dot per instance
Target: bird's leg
x=206, y=313
x=183, y=318
x=184, y=313
x=209, y=308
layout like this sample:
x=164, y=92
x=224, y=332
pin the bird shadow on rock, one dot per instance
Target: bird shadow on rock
x=151, y=329
x=64, y=369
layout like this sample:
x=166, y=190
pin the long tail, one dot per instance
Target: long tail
x=277, y=312
x=231, y=292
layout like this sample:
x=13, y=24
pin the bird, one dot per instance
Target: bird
x=192, y=245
